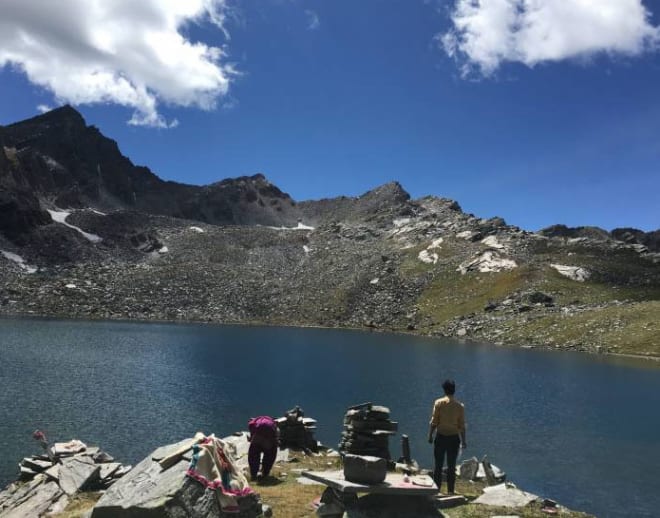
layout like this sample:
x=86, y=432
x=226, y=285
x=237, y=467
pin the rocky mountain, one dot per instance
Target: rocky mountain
x=65, y=163
x=85, y=233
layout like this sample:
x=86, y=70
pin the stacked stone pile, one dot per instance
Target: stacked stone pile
x=49, y=480
x=367, y=429
x=297, y=431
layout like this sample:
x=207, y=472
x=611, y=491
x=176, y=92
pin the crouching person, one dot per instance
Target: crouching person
x=263, y=445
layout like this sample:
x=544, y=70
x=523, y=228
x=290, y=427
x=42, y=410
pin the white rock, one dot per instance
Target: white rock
x=70, y=286
x=429, y=258
x=299, y=226
x=466, y=234
x=401, y=222
x=199, y=230
x=306, y=249
x=505, y=496
x=492, y=242
x=576, y=273
x=489, y=261
x=435, y=244
x=374, y=281
x=163, y=250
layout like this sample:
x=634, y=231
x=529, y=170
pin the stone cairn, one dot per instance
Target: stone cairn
x=49, y=480
x=297, y=431
x=367, y=429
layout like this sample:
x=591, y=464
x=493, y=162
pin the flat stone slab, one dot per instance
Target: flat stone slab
x=308, y=482
x=448, y=501
x=75, y=472
x=148, y=490
x=108, y=469
x=69, y=448
x=145, y=487
x=505, y=496
x=31, y=500
x=165, y=451
x=36, y=464
x=53, y=472
x=390, y=506
x=393, y=484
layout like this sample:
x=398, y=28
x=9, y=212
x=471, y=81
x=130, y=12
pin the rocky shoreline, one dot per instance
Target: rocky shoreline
x=85, y=482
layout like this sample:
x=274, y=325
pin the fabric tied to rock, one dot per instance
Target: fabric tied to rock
x=213, y=466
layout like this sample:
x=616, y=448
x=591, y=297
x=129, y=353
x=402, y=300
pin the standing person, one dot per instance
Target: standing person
x=448, y=419
x=263, y=445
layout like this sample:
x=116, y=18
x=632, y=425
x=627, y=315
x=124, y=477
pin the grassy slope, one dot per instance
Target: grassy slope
x=620, y=275
x=628, y=329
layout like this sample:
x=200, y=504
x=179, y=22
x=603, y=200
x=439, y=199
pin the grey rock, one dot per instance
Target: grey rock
x=108, y=469
x=30, y=500
x=36, y=464
x=504, y=495
x=468, y=469
x=364, y=469
x=101, y=456
x=151, y=491
x=77, y=472
x=488, y=470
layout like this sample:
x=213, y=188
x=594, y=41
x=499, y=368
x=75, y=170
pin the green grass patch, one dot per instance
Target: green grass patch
x=566, y=291
x=451, y=294
x=627, y=329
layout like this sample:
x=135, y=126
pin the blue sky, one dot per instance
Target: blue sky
x=330, y=98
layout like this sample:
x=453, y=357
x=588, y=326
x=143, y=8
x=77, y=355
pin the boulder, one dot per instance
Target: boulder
x=77, y=472
x=468, y=469
x=504, y=495
x=364, y=469
x=34, y=498
x=152, y=491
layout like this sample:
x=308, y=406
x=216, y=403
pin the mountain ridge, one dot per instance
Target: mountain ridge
x=85, y=233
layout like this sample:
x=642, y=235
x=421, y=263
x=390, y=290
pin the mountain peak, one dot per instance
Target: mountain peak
x=63, y=114
x=392, y=191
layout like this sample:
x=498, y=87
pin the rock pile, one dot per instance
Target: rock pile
x=367, y=429
x=297, y=431
x=472, y=469
x=49, y=480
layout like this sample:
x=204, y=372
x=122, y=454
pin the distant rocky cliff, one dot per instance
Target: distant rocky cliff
x=85, y=233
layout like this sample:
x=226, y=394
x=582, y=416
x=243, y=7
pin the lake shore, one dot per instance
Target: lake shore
x=284, y=494
x=650, y=359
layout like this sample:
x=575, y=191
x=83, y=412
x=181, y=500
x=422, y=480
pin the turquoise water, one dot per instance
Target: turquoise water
x=581, y=429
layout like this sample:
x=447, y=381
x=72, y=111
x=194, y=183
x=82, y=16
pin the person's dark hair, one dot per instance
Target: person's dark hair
x=449, y=387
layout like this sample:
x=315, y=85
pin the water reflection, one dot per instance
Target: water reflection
x=569, y=426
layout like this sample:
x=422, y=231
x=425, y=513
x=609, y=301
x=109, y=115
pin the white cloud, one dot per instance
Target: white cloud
x=43, y=108
x=126, y=52
x=313, y=21
x=486, y=33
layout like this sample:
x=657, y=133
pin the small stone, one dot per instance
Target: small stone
x=468, y=469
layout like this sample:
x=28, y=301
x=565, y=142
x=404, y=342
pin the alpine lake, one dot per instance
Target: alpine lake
x=584, y=430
